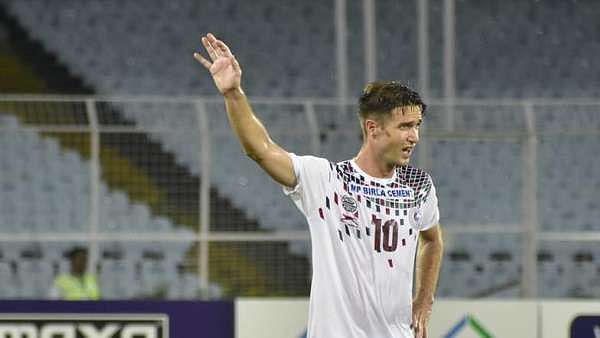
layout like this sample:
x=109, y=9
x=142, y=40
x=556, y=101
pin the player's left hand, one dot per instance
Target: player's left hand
x=421, y=310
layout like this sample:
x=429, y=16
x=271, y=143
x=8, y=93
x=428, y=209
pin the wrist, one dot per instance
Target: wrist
x=425, y=297
x=233, y=93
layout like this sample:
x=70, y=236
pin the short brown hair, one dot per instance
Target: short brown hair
x=379, y=98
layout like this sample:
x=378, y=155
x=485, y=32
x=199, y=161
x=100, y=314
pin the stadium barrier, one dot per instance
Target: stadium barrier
x=155, y=182
x=450, y=318
x=116, y=319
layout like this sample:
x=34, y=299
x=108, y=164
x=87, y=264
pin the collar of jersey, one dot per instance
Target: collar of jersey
x=376, y=179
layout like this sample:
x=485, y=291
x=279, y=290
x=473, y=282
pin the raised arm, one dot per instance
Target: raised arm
x=253, y=136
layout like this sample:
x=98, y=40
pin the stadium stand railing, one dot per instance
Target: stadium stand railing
x=160, y=191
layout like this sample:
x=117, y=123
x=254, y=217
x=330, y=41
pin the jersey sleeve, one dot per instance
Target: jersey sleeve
x=311, y=176
x=430, y=214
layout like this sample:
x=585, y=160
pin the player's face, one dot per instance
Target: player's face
x=399, y=134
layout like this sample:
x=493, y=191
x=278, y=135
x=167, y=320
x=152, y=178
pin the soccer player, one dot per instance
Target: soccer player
x=365, y=214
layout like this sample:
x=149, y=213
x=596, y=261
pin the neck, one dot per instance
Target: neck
x=373, y=165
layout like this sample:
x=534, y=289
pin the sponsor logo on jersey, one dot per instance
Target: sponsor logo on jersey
x=381, y=192
x=349, y=204
x=416, y=215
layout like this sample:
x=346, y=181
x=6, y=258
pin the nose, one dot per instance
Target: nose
x=413, y=135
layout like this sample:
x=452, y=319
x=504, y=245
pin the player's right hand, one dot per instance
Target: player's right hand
x=224, y=68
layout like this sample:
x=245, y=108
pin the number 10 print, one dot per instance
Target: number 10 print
x=389, y=229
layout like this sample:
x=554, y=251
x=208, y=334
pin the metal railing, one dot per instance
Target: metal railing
x=528, y=125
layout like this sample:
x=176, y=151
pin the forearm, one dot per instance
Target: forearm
x=251, y=133
x=428, y=267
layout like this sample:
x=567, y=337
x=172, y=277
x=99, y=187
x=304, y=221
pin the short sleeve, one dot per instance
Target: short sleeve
x=311, y=175
x=430, y=215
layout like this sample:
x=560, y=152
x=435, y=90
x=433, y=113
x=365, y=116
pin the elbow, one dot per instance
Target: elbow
x=253, y=156
x=256, y=154
x=433, y=239
x=438, y=242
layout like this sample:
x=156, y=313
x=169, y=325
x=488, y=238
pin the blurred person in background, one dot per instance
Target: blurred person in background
x=365, y=215
x=77, y=284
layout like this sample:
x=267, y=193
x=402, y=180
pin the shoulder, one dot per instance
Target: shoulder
x=417, y=179
x=309, y=158
x=311, y=162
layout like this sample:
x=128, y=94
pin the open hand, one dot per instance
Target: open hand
x=224, y=68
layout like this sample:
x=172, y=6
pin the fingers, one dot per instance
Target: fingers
x=209, y=48
x=214, y=43
x=223, y=48
x=202, y=60
x=420, y=332
x=236, y=65
x=419, y=326
x=216, y=49
x=417, y=329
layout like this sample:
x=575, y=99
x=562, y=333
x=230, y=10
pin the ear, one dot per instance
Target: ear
x=371, y=127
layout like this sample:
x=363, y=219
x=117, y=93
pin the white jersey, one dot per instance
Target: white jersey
x=364, y=233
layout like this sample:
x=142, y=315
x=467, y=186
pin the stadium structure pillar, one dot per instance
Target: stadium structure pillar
x=370, y=40
x=530, y=207
x=449, y=61
x=204, y=201
x=341, y=50
x=93, y=250
x=423, y=47
x=423, y=71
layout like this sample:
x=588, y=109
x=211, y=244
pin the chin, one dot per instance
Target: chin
x=403, y=161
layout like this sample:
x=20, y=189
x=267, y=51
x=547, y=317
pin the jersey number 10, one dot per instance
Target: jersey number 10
x=389, y=242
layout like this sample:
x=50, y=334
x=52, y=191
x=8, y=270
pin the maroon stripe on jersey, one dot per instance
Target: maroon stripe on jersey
x=390, y=263
x=341, y=237
x=335, y=198
x=347, y=230
x=321, y=213
x=387, y=211
x=358, y=198
x=403, y=242
x=327, y=202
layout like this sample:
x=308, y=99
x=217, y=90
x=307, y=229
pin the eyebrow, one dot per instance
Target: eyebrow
x=410, y=123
